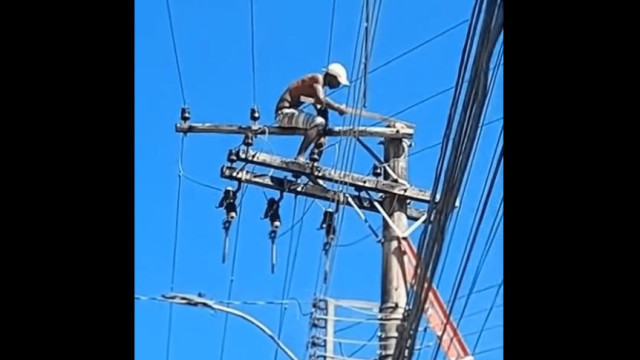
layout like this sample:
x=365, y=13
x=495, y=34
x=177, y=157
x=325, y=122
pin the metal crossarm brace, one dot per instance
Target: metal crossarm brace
x=380, y=162
x=364, y=218
x=386, y=217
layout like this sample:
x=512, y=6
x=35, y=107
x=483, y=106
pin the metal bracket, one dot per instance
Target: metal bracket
x=362, y=216
x=385, y=215
x=382, y=163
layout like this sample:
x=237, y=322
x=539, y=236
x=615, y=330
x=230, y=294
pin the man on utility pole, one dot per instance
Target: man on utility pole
x=310, y=86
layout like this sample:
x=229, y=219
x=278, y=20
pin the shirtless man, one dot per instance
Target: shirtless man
x=310, y=86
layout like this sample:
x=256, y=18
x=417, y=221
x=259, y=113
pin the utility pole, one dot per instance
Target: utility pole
x=389, y=180
x=394, y=288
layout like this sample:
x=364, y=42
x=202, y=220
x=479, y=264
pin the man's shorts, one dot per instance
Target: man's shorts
x=297, y=119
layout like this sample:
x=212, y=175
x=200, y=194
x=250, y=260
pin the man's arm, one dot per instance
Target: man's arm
x=326, y=102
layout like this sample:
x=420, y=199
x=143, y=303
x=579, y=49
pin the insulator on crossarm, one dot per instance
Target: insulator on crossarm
x=254, y=114
x=185, y=114
x=377, y=170
x=231, y=156
x=248, y=140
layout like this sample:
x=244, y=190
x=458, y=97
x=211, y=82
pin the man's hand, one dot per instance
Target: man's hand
x=341, y=109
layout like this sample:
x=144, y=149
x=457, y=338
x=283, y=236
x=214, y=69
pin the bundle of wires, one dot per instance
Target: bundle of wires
x=490, y=22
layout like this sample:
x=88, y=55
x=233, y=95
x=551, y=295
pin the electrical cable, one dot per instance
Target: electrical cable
x=473, y=241
x=358, y=240
x=233, y=269
x=491, y=88
x=457, y=163
x=405, y=53
x=175, y=52
x=175, y=245
x=483, y=256
x=486, y=319
x=363, y=345
x=440, y=143
x=253, y=55
x=286, y=275
x=333, y=16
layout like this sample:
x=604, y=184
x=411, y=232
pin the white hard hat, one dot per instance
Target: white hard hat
x=337, y=70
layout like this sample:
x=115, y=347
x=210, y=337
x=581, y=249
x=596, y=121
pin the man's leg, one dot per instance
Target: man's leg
x=321, y=139
x=315, y=131
x=299, y=119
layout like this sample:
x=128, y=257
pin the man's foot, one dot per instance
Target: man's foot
x=314, y=156
x=300, y=158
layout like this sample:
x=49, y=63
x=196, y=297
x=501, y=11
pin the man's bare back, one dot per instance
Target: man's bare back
x=305, y=86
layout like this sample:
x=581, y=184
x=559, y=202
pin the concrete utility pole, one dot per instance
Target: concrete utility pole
x=394, y=291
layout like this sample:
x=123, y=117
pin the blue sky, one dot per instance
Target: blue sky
x=214, y=49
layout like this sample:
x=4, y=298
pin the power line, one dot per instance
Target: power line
x=233, y=270
x=430, y=245
x=300, y=219
x=399, y=56
x=349, y=90
x=358, y=240
x=427, y=99
x=295, y=251
x=177, y=219
x=485, y=253
x=295, y=257
x=345, y=159
x=489, y=350
x=197, y=182
x=253, y=55
x=454, y=228
x=365, y=344
x=175, y=52
x=333, y=16
x=286, y=275
x=439, y=168
x=373, y=37
x=175, y=244
x=351, y=144
x=409, y=51
x=431, y=97
x=449, y=124
x=440, y=143
x=367, y=34
x=473, y=241
x=486, y=319
x=488, y=245
x=474, y=153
